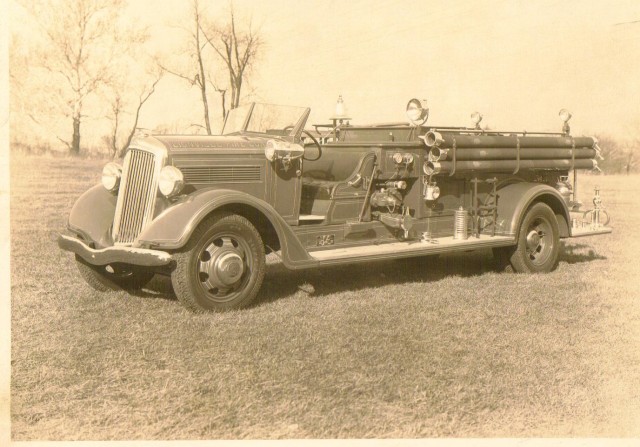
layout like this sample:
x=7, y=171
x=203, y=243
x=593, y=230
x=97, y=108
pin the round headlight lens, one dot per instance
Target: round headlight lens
x=270, y=150
x=565, y=115
x=416, y=113
x=111, y=174
x=171, y=181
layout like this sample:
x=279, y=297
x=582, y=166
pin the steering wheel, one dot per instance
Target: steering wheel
x=307, y=133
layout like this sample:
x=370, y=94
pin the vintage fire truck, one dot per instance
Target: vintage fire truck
x=206, y=209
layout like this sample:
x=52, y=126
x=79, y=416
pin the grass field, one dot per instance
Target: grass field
x=416, y=348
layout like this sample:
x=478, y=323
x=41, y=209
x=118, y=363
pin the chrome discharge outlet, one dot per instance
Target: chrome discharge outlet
x=431, y=167
x=437, y=154
x=432, y=139
x=460, y=224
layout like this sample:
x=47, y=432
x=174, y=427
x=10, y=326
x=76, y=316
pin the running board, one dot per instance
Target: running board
x=409, y=248
x=587, y=231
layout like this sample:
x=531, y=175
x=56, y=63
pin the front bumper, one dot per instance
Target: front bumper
x=127, y=255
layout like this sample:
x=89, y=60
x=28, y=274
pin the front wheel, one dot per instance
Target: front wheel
x=538, y=243
x=221, y=267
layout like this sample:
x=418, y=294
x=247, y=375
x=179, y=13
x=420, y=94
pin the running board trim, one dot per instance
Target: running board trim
x=587, y=231
x=409, y=248
x=311, y=217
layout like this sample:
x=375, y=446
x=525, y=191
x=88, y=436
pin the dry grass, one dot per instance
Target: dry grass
x=415, y=348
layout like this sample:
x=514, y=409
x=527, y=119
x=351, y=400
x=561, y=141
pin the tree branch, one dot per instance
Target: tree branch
x=142, y=99
x=66, y=143
x=186, y=78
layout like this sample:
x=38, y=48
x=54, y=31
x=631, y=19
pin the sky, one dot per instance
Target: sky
x=516, y=62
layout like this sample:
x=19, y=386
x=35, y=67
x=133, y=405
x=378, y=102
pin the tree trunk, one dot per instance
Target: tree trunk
x=75, y=141
x=203, y=90
x=223, y=100
x=238, y=89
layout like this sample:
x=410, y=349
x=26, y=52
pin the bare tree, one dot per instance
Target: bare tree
x=118, y=109
x=80, y=43
x=223, y=99
x=631, y=147
x=238, y=50
x=200, y=77
x=115, y=116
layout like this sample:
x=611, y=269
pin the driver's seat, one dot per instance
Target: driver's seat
x=323, y=188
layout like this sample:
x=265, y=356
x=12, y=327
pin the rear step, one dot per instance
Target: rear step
x=587, y=231
x=310, y=217
x=409, y=248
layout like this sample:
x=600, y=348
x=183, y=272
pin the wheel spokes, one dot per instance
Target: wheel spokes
x=223, y=267
x=227, y=242
x=537, y=244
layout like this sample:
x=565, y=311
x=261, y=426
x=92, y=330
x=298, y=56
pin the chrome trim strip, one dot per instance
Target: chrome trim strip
x=588, y=231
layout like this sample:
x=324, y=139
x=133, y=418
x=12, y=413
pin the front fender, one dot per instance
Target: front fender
x=92, y=216
x=172, y=229
x=515, y=198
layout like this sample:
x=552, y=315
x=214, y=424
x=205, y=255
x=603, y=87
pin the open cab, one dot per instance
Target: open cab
x=206, y=209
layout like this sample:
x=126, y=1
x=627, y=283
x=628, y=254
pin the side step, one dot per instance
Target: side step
x=588, y=231
x=409, y=248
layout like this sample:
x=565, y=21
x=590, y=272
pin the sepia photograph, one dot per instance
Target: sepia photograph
x=368, y=221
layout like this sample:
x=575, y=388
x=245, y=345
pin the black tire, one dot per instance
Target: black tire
x=105, y=278
x=538, y=242
x=221, y=267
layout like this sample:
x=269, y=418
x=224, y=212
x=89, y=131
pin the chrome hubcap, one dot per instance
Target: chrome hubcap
x=537, y=244
x=533, y=240
x=221, y=266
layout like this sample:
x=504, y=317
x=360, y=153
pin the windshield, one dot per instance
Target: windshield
x=270, y=119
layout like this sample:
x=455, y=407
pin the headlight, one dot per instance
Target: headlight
x=270, y=150
x=111, y=174
x=171, y=181
x=416, y=113
x=565, y=115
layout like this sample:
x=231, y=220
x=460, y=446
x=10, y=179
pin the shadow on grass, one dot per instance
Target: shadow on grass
x=281, y=283
x=158, y=288
x=575, y=254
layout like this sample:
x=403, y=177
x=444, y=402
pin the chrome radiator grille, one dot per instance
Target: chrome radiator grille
x=136, y=197
x=220, y=174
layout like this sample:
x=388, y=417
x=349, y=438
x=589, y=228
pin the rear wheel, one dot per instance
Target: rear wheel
x=221, y=267
x=117, y=276
x=538, y=243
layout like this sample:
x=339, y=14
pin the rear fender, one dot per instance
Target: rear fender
x=172, y=229
x=515, y=198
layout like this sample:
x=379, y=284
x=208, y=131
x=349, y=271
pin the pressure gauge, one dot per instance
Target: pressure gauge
x=397, y=158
